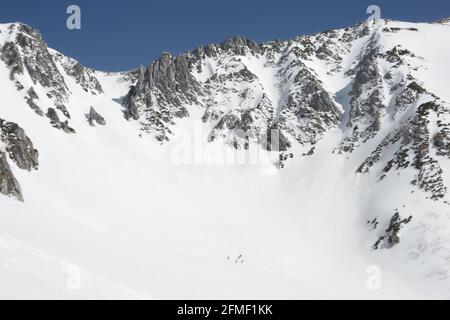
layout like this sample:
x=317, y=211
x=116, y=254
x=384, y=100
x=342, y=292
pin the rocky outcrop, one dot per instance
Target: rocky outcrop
x=30, y=101
x=309, y=111
x=391, y=237
x=275, y=140
x=18, y=146
x=39, y=62
x=367, y=99
x=160, y=95
x=243, y=123
x=413, y=149
x=10, y=54
x=239, y=46
x=57, y=123
x=241, y=128
x=25, y=52
x=8, y=183
x=93, y=117
x=83, y=76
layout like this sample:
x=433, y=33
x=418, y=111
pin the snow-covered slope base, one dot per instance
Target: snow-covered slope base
x=111, y=184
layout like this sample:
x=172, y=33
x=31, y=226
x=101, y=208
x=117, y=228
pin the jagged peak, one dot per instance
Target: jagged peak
x=166, y=55
x=239, y=41
x=19, y=27
x=12, y=25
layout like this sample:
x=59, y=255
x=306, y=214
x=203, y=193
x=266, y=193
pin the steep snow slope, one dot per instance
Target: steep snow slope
x=139, y=217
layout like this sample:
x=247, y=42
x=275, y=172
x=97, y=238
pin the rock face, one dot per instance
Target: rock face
x=308, y=110
x=9, y=53
x=26, y=55
x=412, y=141
x=27, y=52
x=94, y=118
x=86, y=78
x=391, y=235
x=19, y=149
x=30, y=101
x=57, y=123
x=160, y=95
x=18, y=146
x=240, y=46
x=274, y=140
x=8, y=184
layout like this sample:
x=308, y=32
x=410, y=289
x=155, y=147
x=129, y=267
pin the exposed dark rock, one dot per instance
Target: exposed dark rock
x=34, y=106
x=9, y=186
x=53, y=116
x=57, y=123
x=28, y=52
x=373, y=223
x=310, y=152
x=18, y=146
x=407, y=98
x=282, y=158
x=160, y=94
x=414, y=151
x=391, y=235
x=366, y=84
x=308, y=110
x=64, y=110
x=39, y=62
x=240, y=127
x=84, y=77
x=237, y=46
x=275, y=140
x=416, y=87
x=240, y=45
x=30, y=101
x=32, y=94
x=19, y=86
x=11, y=56
x=395, y=29
x=237, y=127
x=94, y=118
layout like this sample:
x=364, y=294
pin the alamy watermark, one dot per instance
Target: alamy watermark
x=375, y=13
x=237, y=147
x=73, y=21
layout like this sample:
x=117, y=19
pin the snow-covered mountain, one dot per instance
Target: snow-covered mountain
x=121, y=182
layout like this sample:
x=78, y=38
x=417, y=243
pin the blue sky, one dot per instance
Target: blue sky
x=121, y=35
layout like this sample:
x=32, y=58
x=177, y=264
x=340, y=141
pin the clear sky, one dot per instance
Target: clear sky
x=120, y=35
